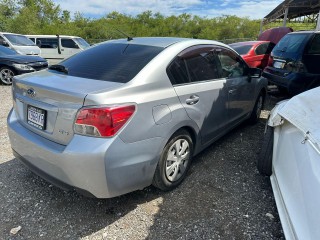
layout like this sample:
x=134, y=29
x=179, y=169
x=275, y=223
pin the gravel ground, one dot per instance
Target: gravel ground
x=223, y=197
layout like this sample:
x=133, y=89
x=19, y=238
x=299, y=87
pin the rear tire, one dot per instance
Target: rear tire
x=174, y=162
x=255, y=115
x=264, y=163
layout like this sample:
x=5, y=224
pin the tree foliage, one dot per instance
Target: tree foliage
x=45, y=17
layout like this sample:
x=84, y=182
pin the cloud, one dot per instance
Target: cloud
x=251, y=9
x=210, y=8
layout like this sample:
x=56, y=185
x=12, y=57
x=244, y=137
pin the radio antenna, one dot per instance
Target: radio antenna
x=123, y=33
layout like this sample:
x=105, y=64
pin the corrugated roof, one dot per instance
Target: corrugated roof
x=297, y=8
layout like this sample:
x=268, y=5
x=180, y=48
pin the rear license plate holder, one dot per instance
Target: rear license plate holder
x=36, y=117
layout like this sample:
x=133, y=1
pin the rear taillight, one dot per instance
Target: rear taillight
x=104, y=121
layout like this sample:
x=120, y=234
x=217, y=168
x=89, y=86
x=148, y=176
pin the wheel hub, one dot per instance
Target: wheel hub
x=177, y=159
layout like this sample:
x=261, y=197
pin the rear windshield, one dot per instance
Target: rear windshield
x=290, y=43
x=242, y=50
x=114, y=62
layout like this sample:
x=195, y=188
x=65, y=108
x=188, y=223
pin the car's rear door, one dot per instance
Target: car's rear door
x=196, y=77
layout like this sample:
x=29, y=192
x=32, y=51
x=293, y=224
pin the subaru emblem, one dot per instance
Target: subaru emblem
x=31, y=92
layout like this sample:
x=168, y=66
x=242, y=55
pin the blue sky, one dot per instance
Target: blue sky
x=254, y=9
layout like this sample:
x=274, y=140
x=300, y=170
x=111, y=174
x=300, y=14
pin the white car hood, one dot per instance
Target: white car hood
x=303, y=111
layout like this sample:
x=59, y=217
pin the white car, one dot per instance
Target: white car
x=291, y=156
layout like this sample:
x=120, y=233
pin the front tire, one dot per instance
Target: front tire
x=264, y=163
x=6, y=75
x=174, y=162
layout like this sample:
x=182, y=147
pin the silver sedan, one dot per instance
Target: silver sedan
x=125, y=114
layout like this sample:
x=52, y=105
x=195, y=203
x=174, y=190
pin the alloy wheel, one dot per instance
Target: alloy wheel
x=177, y=159
x=6, y=76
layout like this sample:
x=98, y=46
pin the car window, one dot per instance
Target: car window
x=315, y=45
x=261, y=49
x=231, y=64
x=32, y=39
x=241, y=49
x=47, y=42
x=114, y=62
x=68, y=43
x=177, y=72
x=195, y=64
x=81, y=42
x=203, y=66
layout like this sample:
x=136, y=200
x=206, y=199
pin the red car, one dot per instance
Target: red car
x=255, y=53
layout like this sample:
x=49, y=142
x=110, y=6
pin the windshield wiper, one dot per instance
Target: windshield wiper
x=59, y=68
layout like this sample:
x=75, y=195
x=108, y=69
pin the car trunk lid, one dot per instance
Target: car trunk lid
x=47, y=103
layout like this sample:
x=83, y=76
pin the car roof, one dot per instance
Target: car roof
x=50, y=36
x=303, y=32
x=163, y=42
x=11, y=33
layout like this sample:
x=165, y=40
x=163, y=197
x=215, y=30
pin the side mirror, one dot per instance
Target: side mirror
x=255, y=72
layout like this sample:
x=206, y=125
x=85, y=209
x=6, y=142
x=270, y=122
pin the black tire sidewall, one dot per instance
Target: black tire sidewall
x=264, y=163
x=160, y=176
x=254, y=117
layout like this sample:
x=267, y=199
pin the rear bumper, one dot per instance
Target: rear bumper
x=100, y=167
x=49, y=178
x=295, y=83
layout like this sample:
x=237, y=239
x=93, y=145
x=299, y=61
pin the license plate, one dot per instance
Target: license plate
x=277, y=64
x=37, y=117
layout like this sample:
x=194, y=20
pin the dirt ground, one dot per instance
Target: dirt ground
x=223, y=197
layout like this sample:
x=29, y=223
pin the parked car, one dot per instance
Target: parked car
x=125, y=114
x=255, y=53
x=12, y=63
x=295, y=60
x=291, y=155
x=55, y=48
x=20, y=43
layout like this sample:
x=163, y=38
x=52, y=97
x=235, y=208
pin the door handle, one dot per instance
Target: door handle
x=192, y=100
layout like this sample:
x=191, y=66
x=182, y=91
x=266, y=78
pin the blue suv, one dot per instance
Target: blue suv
x=294, y=62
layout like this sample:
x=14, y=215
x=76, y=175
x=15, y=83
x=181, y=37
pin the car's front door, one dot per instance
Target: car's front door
x=240, y=87
x=196, y=77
